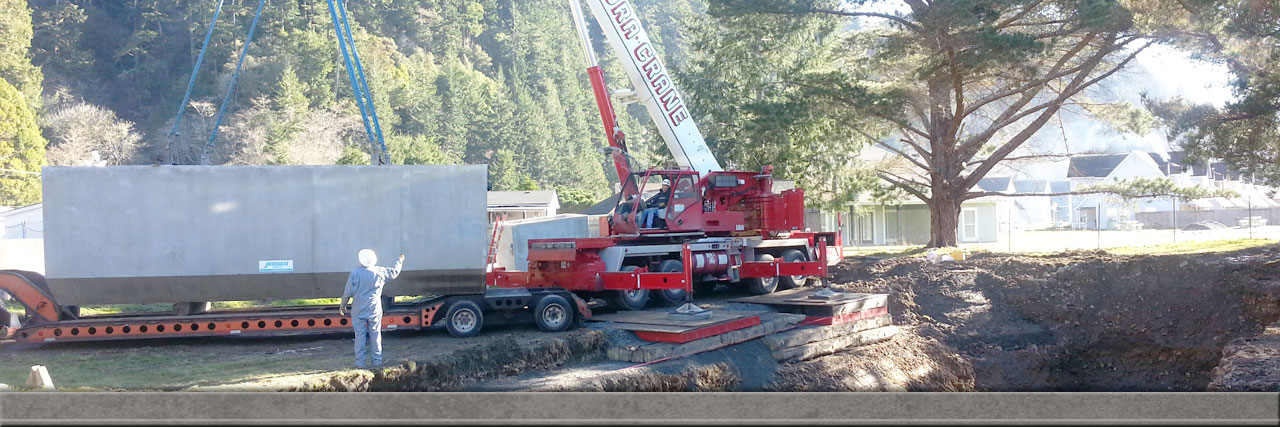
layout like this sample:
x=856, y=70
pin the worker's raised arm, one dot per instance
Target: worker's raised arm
x=395, y=271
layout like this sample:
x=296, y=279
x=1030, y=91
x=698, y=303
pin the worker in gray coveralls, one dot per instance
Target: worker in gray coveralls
x=364, y=287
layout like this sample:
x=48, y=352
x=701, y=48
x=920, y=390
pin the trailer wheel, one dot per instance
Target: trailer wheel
x=788, y=282
x=630, y=300
x=464, y=319
x=670, y=296
x=553, y=313
x=762, y=285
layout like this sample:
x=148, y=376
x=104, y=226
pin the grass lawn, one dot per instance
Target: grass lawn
x=176, y=364
x=886, y=251
x=1180, y=248
x=1207, y=246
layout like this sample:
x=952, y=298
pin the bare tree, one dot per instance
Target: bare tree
x=322, y=137
x=78, y=129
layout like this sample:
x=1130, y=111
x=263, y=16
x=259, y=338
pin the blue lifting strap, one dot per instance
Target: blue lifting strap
x=177, y=121
x=204, y=157
x=364, y=84
x=365, y=103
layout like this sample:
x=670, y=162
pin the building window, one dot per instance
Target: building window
x=969, y=224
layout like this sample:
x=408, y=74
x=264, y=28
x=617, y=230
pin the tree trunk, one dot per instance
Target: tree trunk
x=944, y=220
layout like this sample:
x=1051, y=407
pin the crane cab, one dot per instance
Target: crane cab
x=721, y=203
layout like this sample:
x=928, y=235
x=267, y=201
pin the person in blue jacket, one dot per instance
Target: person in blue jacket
x=364, y=288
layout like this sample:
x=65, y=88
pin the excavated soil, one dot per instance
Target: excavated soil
x=1078, y=321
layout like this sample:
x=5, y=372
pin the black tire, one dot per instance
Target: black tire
x=762, y=285
x=670, y=296
x=464, y=319
x=788, y=282
x=630, y=300
x=553, y=313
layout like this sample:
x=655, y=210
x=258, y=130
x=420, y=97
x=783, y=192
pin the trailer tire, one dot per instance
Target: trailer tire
x=553, y=313
x=629, y=300
x=762, y=285
x=670, y=296
x=464, y=319
x=788, y=282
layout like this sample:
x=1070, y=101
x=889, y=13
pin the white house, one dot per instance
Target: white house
x=907, y=221
x=1062, y=204
x=1093, y=211
x=25, y=222
x=522, y=204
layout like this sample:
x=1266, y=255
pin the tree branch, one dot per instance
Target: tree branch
x=904, y=155
x=1077, y=84
x=1019, y=15
x=904, y=184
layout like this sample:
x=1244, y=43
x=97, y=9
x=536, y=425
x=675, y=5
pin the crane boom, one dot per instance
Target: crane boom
x=653, y=85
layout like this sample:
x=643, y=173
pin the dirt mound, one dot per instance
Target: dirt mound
x=1250, y=364
x=1084, y=320
x=717, y=377
x=908, y=362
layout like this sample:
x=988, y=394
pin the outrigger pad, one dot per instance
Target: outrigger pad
x=840, y=308
x=658, y=326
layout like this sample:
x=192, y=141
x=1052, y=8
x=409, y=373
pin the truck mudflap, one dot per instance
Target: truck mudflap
x=583, y=309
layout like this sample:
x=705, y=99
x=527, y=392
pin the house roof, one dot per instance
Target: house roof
x=995, y=183
x=1030, y=186
x=18, y=210
x=1094, y=166
x=1181, y=165
x=1059, y=186
x=540, y=198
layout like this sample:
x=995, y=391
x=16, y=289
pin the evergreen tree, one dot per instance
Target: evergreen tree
x=21, y=149
x=15, y=46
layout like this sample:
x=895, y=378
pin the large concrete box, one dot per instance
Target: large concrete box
x=148, y=234
x=513, y=239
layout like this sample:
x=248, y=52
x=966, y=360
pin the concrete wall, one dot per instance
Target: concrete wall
x=138, y=234
x=22, y=254
x=513, y=243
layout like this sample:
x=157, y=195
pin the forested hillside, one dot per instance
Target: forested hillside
x=500, y=82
